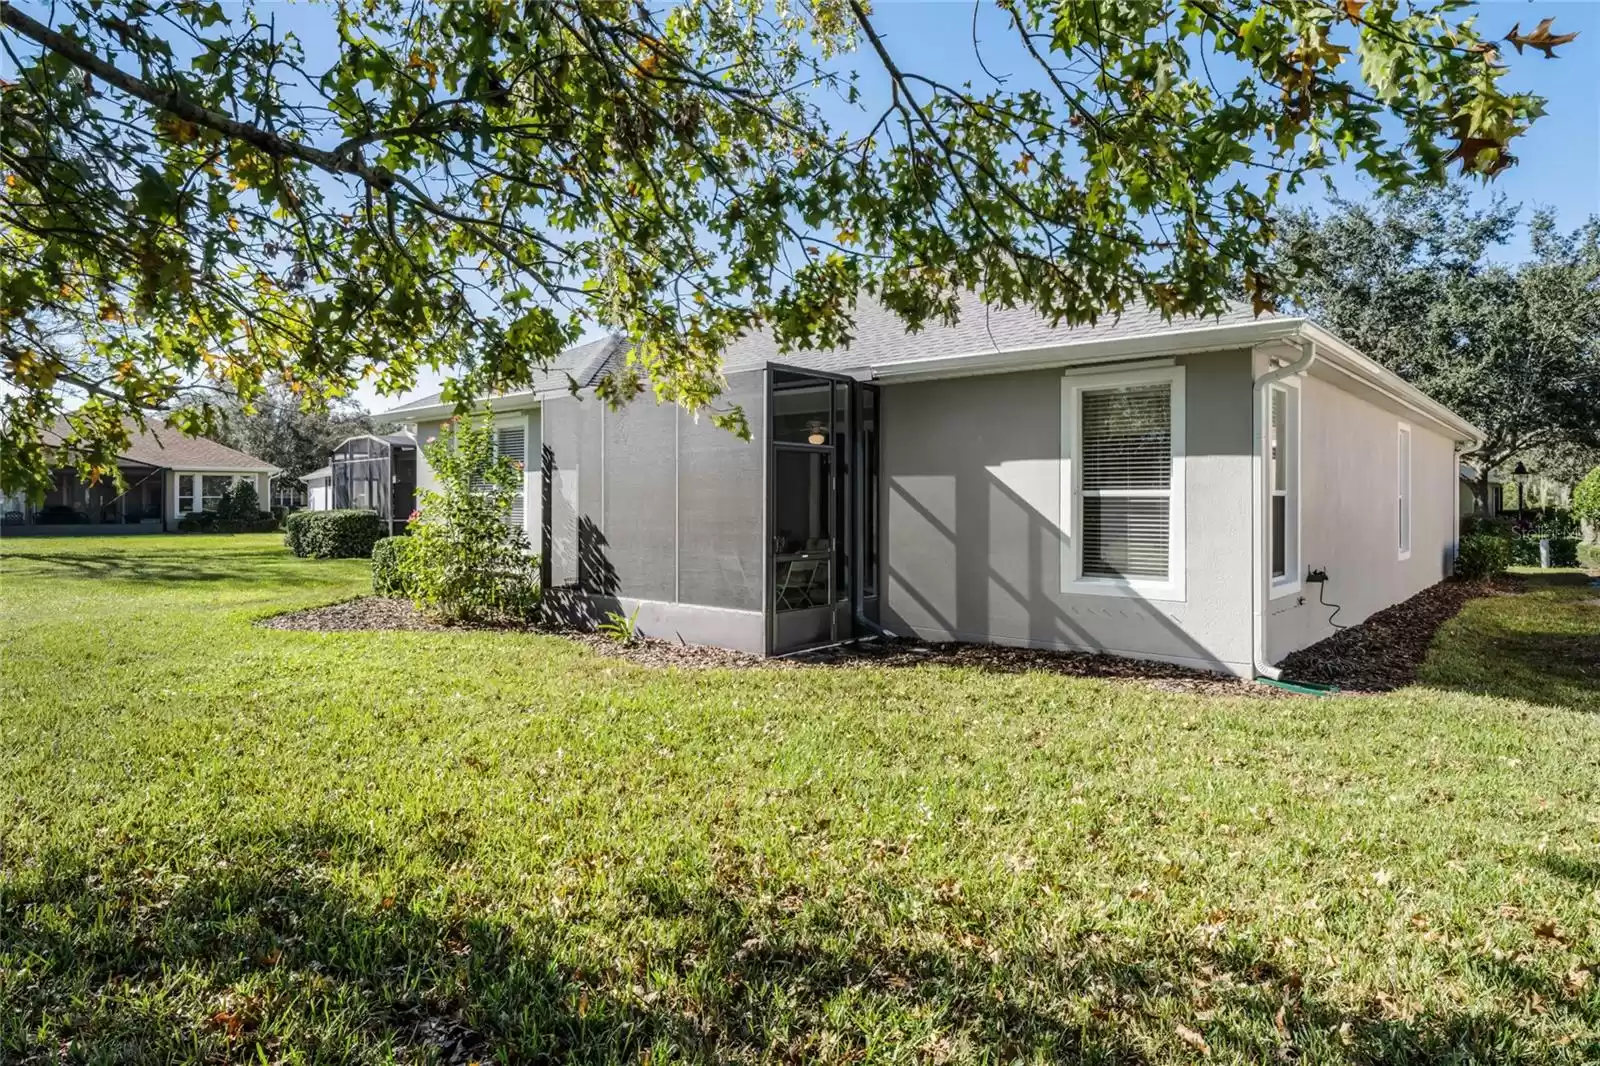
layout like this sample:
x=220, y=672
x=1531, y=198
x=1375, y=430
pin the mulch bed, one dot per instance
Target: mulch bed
x=1385, y=651
x=1380, y=654
x=377, y=613
x=1009, y=660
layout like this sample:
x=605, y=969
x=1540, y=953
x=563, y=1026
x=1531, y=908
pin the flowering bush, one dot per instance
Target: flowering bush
x=466, y=561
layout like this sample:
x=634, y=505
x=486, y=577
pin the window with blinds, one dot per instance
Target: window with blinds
x=512, y=442
x=1278, y=445
x=1125, y=482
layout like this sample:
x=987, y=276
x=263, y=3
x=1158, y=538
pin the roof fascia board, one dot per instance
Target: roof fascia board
x=212, y=468
x=516, y=402
x=1116, y=349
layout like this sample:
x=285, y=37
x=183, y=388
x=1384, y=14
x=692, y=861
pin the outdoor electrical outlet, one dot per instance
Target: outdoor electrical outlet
x=1314, y=577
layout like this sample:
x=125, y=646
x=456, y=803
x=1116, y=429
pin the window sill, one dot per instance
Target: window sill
x=1282, y=587
x=1404, y=556
x=1156, y=592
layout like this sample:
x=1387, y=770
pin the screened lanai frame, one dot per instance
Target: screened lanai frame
x=822, y=571
x=377, y=474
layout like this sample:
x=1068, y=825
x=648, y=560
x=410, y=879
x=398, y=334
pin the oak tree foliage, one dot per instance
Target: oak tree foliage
x=199, y=197
x=1420, y=283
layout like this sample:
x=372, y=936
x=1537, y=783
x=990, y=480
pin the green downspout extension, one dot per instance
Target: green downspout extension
x=1303, y=688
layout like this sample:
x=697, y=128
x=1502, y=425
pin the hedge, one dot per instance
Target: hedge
x=211, y=522
x=1525, y=551
x=333, y=534
x=388, y=574
x=1482, y=555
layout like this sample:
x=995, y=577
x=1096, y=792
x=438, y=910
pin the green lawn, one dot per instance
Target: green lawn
x=228, y=843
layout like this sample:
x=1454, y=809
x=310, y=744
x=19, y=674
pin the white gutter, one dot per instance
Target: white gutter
x=517, y=401
x=1116, y=349
x=1258, y=556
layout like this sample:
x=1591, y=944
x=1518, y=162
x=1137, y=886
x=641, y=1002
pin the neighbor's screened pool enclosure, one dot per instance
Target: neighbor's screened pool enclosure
x=376, y=474
x=768, y=544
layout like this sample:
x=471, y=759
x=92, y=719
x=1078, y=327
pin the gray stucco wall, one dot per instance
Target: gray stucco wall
x=972, y=507
x=1349, y=517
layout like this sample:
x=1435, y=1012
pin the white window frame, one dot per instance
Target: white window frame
x=1404, y=511
x=1073, y=385
x=1292, y=580
x=531, y=504
x=198, y=498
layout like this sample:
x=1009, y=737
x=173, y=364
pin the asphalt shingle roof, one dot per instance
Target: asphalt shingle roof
x=161, y=445
x=583, y=363
x=881, y=339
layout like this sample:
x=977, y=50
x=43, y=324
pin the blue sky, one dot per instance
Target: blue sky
x=1559, y=159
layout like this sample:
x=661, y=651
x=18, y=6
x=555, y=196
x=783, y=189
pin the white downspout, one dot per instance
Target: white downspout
x=1258, y=536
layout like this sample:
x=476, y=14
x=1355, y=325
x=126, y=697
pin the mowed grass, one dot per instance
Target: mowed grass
x=227, y=843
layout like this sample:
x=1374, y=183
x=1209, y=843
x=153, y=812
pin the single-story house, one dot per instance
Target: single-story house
x=167, y=476
x=1194, y=491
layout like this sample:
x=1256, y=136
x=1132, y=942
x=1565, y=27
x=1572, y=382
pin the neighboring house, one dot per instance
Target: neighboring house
x=166, y=475
x=1470, y=504
x=289, y=494
x=319, y=489
x=1161, y=490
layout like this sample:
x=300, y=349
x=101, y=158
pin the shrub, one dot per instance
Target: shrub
x=1482, y=555
x=333, y=534
x=1551, y=522
x=466, y=562
x=237, y=512
x=1496, y=525
x=1586, y=498
x=1589, y=556
x=60, y=514
x=1563, y=551
x=294, y=531
x=388, y=562
x=240, y=503
x=1525, y=550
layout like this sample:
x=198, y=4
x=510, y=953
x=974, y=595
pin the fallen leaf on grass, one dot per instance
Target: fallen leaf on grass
x=1193, y=1039
x=1548, y=930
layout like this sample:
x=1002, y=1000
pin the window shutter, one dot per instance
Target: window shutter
x=512, y=442
x=1126, y=481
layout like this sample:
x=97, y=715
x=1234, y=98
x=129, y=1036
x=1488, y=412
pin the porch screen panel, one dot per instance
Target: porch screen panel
x=640, y=541
x=1125, y=470
x=722, y=503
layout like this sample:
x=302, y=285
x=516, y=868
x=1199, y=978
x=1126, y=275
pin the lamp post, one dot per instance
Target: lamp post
x=1521, y=476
